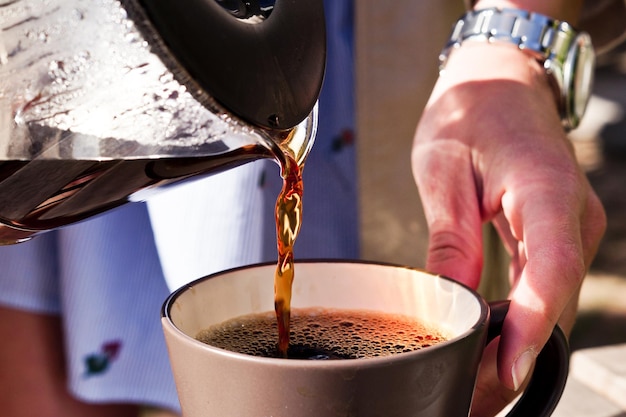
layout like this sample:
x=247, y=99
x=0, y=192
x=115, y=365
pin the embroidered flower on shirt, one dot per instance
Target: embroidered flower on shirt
x=99, y=362
x=343, y=139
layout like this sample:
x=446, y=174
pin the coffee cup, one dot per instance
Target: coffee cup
x=435, y=381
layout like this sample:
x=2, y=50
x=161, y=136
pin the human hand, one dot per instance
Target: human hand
x=490, y=147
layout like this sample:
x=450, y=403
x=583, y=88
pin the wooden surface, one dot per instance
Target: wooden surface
x=603, y=371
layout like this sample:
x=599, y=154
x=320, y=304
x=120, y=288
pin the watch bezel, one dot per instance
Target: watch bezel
x=578, y=69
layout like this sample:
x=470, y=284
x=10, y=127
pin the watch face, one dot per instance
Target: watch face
x=578, y=72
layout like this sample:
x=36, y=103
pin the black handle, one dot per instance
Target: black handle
x=550, y=374
x=267, y=71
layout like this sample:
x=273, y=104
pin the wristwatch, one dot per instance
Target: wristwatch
x=566, y=54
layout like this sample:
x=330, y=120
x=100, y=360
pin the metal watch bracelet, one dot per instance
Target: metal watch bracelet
x=507, y=26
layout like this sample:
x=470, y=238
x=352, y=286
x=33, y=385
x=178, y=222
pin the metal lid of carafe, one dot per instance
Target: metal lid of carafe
x=263, y=60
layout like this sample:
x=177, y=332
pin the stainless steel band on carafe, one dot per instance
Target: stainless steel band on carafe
x=566, y=54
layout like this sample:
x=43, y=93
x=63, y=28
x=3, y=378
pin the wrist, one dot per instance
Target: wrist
x=482, y=62
x=481, y=73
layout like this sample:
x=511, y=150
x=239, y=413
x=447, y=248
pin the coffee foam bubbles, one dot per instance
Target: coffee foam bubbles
x=318, y=333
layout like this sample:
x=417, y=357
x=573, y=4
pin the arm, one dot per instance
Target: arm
x=490, y=147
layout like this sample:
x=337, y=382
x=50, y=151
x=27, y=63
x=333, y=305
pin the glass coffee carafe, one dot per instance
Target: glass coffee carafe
x=102, y=101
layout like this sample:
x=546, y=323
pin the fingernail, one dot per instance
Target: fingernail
x=521, y=368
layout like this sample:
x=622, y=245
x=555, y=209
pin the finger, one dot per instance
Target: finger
x=449, y=197
x=553, y=272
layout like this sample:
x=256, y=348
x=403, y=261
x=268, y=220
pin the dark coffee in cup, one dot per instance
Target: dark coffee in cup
x=324, y=333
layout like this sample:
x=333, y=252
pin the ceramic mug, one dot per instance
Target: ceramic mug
x=437, y=381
